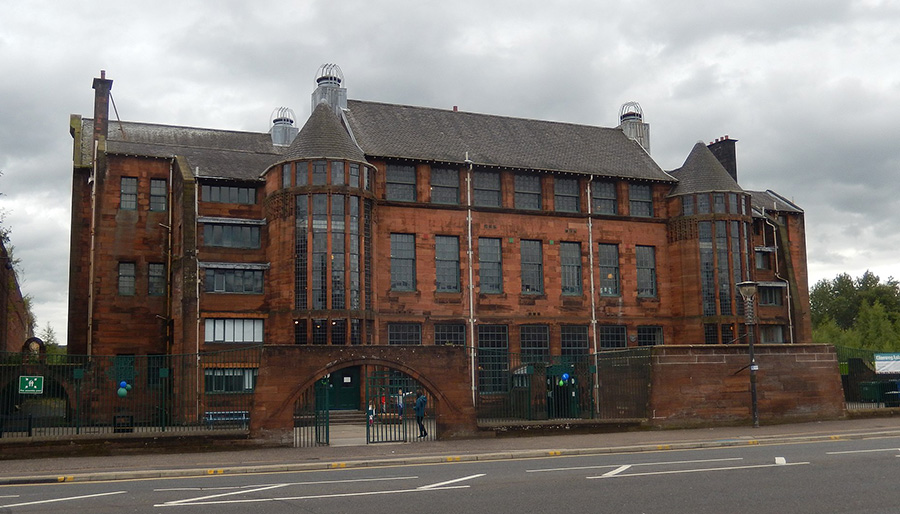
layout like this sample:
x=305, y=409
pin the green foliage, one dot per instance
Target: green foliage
x=860, y=313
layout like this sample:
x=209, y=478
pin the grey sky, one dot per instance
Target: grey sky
x=810, y=88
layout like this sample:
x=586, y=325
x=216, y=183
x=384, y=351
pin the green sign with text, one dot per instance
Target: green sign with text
x=31, y=385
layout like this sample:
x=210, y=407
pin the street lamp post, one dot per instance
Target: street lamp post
x=748, y=291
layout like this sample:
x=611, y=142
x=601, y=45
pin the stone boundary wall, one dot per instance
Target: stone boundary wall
x=710, y=385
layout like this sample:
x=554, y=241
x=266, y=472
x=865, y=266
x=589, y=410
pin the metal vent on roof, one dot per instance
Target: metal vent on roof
x=328, y=88
x=631, y=121
x=329, y=75
x=283, y=130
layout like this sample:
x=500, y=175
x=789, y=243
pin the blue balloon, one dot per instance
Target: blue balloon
x=123, y=383
x=565, y=376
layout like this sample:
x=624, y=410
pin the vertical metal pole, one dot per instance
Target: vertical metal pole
x=751, y=321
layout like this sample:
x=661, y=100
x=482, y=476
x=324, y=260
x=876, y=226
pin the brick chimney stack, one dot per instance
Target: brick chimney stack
x=102, y=87
x=723, y=149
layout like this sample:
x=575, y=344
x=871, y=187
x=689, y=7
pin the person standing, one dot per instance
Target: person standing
x=419, y=408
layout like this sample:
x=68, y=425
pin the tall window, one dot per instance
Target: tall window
x=156, y=275
x=338, y=253
x=574, y=342
x=723, y=276
x=445, y=186
x=532, y=267
x=566, y=194
x=404, y=333
x=320, y=331
x=612, y=336
x=534, y=341
x=718, y=202
x=707, y=269
x=493, y=359
x=640, y=200
x=450, y=333
x=302, y=174
x=237, y=330
x=400, y=183
x=126, y=279
x=337, y=173
x=128, y=193
x=490, y=268
x=570, y=268
x=687, y=205
x=320, y=256
x=354, y=175
x=158, y=194
x=403, y=262
x=486, y=188
x=649, y=335
x=605, y=200
x=339, y=331
x=446, y=255
x=285, y=175
x=646, y=271
x=528, y=192
x=703, y=203
x=609, y=269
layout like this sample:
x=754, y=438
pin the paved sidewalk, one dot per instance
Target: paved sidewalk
x=349, y=450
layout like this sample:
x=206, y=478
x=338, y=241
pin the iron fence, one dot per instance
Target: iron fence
x=75, y=395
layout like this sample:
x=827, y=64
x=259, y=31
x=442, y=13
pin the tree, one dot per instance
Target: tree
x=877, y=331
x=51, y=343
x=842, y=298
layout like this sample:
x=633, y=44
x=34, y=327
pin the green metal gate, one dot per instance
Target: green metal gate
x=311, y=415
x=390, y=400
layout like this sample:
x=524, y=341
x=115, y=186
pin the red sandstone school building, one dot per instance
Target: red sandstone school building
x=377, y=224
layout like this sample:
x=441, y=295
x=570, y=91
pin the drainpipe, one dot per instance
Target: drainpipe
x=471, y=271
x=787, y=285
x=590, y=224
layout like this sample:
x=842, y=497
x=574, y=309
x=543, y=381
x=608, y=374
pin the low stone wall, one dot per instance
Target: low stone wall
x=703, y=385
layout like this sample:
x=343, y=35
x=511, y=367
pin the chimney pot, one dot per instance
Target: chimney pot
x=455, y=108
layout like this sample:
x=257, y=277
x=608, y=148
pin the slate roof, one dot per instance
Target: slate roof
x=209, y=153
x=438, y=135
x=323, y=136
x=772, y=201
x=702, y=172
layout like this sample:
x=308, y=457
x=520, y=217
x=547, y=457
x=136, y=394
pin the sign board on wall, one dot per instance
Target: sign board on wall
x=887, y=363
x=31, y=385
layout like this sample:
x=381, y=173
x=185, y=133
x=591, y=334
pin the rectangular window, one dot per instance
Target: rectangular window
x=771, y=296
x=687, y=205
x=126, y=279
x=763, y=261
x=128, y=194
x=231, y=236
x=124, y=367
x=228, y=194
x=609, y=269
x=640, y=200
x=450, y=333
x=490, y=269
x=403, y=262
x=574, y=342
x=320, y=173
x=320, y=331
x=230, y=380
x=339, y=332
x=612, y=336
x=534, y=342
x=493, y=359
x=733, y=207
x=234, y=281
x=719, y=202
x=727, y=332
x=646, y=271
x=528, y=192
x=570, y=268
x=710, y=334
x=532, y=267
x=649, y=335
x=233, y=330
x=445, y=186
x=158, y=194
x=605, y=200
x=566, y=195
x=707, y=269
x=156, y=279
x=703, y=203
x=302, y=174
x=300, y=335
x=446, y=257
x=769, y=334
x=400, y=183
x=486, y=188
x=404, y=333
x=354, y=175
x=285, y=175
x=337, y=173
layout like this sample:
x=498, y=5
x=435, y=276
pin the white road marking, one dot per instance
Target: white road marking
x=196, y=489
x=616, y=471
x=70, y=498
x=661, y=463
x=9, y=496
x=863, y=451
x=700, y=470
x=448, y=482
x=310, y=497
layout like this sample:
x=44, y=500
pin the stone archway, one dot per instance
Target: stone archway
x=286, y=371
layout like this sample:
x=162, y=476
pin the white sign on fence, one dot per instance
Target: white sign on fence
x=887, y=363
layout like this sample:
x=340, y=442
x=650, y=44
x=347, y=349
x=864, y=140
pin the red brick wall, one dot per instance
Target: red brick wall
x=15, y=325
x=697, y=385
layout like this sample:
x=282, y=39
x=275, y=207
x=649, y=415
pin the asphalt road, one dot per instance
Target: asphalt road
x=834, y=476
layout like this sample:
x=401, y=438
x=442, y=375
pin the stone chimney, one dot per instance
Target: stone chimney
x=723, y=149
x=102, y=87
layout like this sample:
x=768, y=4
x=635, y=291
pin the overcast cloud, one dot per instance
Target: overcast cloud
x=811, y=88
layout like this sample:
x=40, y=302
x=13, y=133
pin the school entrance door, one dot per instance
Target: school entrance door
x=345, y=389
